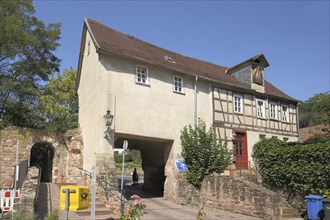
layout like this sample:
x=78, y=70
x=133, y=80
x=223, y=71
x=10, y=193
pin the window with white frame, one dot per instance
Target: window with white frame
x=177, y=84
x=273, y=110
x=141, y=75
x=238, y=103
x=285, y=113
x=260, y=108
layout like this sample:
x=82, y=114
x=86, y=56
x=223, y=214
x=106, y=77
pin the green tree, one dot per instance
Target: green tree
x=118, y=157
x=314, y=111
x=202, y=153
x=26, y=61
x=136, y=156
x=58, y=102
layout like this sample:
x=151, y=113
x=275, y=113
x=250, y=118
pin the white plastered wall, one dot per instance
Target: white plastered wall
x=92, y=105
x=154, y=111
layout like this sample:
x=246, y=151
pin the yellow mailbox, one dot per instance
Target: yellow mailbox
x=78, y=197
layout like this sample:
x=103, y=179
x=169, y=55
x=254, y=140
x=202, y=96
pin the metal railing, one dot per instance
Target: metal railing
x=105, y=185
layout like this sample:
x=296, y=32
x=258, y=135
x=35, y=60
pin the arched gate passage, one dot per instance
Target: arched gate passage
x=154, y=155
x=42, y=155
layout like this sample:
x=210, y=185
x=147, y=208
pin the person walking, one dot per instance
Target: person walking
x=135, y=177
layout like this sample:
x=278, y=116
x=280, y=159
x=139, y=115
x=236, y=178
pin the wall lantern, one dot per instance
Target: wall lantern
x=108, y=118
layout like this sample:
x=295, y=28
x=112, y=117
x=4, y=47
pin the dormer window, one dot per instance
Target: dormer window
x=169, y=59
x=258, y=75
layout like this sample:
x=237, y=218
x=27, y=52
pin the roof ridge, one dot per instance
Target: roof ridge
x=153, y=45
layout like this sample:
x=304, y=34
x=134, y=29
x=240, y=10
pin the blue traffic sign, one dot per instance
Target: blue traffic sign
x=181, y=166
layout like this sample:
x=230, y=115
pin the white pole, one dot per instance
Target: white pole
x=125, y=145
x=66, y=213
x=93, y=192
x=16, y=167
x=67, y=202
x=195, y=103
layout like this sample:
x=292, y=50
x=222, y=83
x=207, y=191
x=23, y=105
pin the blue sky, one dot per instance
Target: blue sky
x=293, y=35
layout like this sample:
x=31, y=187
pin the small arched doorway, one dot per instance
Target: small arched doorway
x=42, y=155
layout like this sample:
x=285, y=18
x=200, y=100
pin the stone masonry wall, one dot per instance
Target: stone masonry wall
x=228, y=193
x=241, y=196
x=28, y=192
x=8, y=142
x=67, y=161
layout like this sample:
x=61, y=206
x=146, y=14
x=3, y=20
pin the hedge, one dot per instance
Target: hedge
x=297, y=169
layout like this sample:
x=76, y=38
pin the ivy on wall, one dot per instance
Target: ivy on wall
x=297, y=169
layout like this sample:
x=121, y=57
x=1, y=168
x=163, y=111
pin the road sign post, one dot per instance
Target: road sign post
x=93, y=192
x=67, y=195
x=125, y=145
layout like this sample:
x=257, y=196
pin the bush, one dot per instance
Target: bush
x=297, y=169
x=135, y=209
x=202, y=154
x=53, y=215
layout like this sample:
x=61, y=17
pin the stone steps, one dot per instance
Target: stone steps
x=100, y=213
x=103, y=217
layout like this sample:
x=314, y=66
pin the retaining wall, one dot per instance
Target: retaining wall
x=229, y=193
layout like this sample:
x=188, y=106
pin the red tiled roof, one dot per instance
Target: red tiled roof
x=114, y=41
x=110, y=39
x=272, y=90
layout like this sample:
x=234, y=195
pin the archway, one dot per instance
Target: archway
x=42, y=155
x=154, y=155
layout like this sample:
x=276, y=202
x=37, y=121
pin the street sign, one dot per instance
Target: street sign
x=181, y=166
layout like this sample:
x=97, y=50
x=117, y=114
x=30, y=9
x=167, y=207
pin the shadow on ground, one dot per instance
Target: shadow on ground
x=138, y=189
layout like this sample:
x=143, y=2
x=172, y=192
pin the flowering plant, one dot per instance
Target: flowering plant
x=134, y=211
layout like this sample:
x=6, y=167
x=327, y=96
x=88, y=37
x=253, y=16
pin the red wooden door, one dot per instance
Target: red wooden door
x=240, y=150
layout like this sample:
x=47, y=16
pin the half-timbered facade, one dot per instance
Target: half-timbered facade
x=244, y=115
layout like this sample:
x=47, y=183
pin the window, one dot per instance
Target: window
x=88, y=47
x=285, y=139
x=285, y=113
x=238, y=104
x=273, y=110
x=177, y=84
x=142, y=75
x=260, y=109
x=239, y=144
x=262, y=136
x=258, y=75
